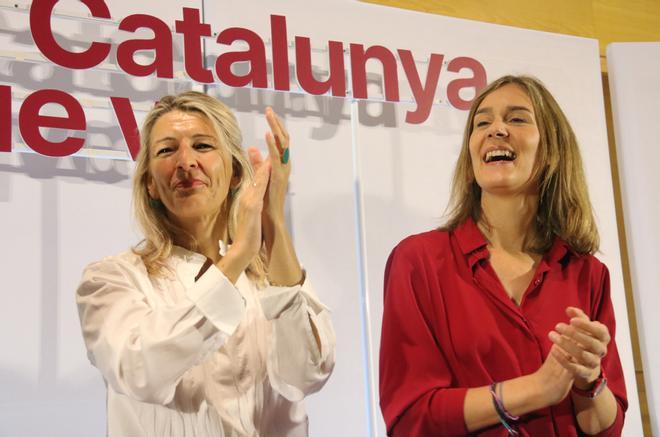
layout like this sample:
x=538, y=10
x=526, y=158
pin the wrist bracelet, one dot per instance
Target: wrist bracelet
x=500, y=404
x=502, y=414
x=598, y=386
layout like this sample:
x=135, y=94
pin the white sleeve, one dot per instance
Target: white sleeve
x=143, y=349
x=297, y=364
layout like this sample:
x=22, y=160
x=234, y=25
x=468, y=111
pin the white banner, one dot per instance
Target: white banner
x=634, y=73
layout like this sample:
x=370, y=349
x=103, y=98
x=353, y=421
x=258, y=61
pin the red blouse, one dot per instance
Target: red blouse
x=448, y=325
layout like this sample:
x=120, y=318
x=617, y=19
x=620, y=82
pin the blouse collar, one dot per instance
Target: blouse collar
x=190, y=256
x=474, y=245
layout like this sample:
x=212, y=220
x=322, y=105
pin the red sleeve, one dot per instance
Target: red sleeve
x=604, y=313
x=417, y=396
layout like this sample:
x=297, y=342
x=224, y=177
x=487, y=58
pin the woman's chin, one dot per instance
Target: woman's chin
x=506, y=189
x=191, y=211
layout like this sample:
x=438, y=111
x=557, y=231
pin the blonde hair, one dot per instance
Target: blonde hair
x=159, y=231
x=564, y=209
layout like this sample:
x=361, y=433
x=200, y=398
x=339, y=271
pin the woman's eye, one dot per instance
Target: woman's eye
x=481, y=123
x=517, y=117
x=203, y=146
x=163, y=151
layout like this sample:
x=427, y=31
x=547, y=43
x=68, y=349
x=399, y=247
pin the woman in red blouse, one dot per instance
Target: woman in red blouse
x=501, y=322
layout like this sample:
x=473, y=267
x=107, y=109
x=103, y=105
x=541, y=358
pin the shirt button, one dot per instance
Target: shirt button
x=537, y=282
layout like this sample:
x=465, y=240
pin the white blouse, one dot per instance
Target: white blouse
x=184, y=358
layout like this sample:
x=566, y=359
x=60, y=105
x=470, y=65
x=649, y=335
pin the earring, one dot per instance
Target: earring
x=156, y=204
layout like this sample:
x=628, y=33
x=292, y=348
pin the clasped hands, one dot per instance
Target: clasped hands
x=575, y=357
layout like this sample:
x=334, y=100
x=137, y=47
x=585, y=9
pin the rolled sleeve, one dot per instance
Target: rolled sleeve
x=218, y=299
x=298, y=364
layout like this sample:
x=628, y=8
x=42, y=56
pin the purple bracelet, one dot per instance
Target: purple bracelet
x=500, y=404
x=502, y=414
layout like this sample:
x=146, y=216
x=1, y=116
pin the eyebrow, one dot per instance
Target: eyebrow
x=196, y=137
x=508, y=108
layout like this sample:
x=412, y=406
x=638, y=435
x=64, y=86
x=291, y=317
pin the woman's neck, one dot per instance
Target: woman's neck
x=508, y=221
x=206, y=233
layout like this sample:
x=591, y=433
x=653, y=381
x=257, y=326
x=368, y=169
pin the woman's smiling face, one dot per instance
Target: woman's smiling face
x=189, y=169
x=504, y=142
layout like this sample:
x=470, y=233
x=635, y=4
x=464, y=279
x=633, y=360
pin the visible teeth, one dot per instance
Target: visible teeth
x=505, y=154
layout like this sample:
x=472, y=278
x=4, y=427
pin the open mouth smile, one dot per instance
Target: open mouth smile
x=499, y=155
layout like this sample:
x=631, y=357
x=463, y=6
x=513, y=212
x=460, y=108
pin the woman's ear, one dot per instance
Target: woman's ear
x=236, y=173
x=151, y=188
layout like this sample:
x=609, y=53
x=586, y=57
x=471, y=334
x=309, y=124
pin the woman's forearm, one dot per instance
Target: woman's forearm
x=283, y=266
x=519, y=396
x=597, y=414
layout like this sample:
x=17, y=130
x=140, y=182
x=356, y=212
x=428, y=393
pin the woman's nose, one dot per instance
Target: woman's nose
x=186, y=158
x=498, y=129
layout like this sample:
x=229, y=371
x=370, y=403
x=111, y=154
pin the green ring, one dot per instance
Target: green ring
x=285, y=156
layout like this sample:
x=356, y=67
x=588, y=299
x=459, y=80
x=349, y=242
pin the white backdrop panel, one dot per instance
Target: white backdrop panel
x=634, y=69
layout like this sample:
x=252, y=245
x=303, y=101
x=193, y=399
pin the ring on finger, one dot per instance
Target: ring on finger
x=284, y=157
x=284, y=153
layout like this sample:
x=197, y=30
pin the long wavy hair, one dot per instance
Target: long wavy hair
x=159, y=231
x=564, y=209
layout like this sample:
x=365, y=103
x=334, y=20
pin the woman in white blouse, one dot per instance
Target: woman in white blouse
x=208, y=327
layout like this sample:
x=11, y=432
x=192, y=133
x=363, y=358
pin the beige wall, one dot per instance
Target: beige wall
x=605, y=20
